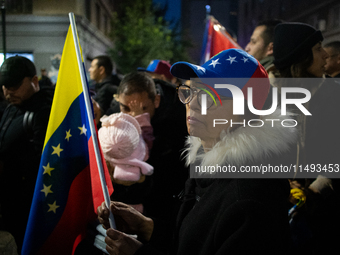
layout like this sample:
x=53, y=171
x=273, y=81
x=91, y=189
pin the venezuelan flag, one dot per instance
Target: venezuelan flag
x=215, y=40
x=68, y=189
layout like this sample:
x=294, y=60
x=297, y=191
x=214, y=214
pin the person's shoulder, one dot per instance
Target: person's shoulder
x=111, y=81
x=164, y=85
x=107, y=87
x=168, y=93
x=46, y=94
x=10, y=108
x=41, y=101
x=115, y=79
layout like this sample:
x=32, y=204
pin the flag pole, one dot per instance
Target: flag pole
x=90, y=118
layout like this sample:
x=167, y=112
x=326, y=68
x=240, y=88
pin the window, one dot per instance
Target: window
x=335, y=17
x=88, y=9
x=12, y=54
x=106, y=24
x=98, y=15
x=19, y=6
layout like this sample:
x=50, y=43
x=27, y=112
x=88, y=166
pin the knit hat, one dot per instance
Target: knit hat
x=123, y=146
x=227, y=65
x=292, y=42
x=159, y=67
x=14, y=70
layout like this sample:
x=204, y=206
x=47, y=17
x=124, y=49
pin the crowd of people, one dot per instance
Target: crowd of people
x=155, y=124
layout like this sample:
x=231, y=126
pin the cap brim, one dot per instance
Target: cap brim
x=10, y=82
x=142, y=69
x=186, y=71
x=183, y=70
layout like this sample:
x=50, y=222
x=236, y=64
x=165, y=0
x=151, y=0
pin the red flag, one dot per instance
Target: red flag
x=216, y=39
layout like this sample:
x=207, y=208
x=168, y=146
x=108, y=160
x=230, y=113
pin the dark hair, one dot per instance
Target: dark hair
x=298, y=69
x=335, y=45
x=268, y=33
x=137, y=82
x=105, y=61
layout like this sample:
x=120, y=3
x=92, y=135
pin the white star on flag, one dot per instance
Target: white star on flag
x=214, y=62
x=83, y=129
x=231, y=59
x=245, y=59
x=200, y=68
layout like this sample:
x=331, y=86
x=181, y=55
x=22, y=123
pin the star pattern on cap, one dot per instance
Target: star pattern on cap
x=214, y=62
x=231, y=59
x=199, y=68
x=244, y=59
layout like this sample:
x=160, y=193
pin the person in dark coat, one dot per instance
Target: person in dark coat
x=105, y=82
x=44, y=80
x=22, y=134
x=299, y=54
x=223, y=212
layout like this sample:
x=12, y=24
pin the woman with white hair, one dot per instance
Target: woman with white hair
x=223, y=211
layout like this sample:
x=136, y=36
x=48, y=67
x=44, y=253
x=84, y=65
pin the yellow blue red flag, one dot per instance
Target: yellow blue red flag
x=68, y=189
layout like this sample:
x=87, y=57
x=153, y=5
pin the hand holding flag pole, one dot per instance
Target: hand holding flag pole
x=72, y=181
x=90, y=117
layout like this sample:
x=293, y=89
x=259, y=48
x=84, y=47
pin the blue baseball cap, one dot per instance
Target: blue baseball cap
x=159, y=67
x=231, y=65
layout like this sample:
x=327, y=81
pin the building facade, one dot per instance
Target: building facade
x=323, y=15
x=38, y=28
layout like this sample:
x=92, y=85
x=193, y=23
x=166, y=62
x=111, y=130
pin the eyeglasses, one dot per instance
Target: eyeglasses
x=186, y=94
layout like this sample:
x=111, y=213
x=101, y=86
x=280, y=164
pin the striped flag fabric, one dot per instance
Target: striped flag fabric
x=215, y=40
x=68, y=187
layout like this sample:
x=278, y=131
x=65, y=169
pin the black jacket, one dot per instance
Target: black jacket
x=229, y=216
x=104, y=92
x=235, y=216
x=20, y=152
x=322, y=134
